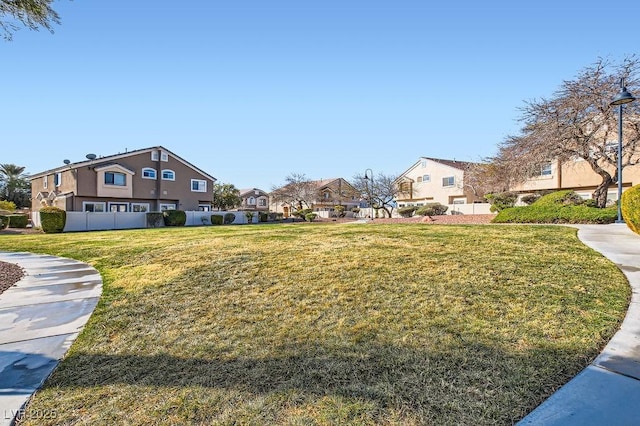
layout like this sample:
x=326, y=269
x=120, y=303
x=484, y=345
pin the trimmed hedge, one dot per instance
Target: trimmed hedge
x=217, y=219
x=14, y=220
x=310, y=217
x=52, y=219
x=557, y=207
x=630, y=206
x=406, y=211
x=229, y=218
x=155, y=219
x=432, y=209
x=174, y=217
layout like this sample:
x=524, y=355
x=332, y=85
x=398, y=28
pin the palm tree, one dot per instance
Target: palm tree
x=14, y=185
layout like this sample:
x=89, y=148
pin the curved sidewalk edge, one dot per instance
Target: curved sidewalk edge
x=608, y=390
x=40, y=317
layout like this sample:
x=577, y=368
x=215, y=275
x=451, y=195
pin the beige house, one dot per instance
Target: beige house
x=150, y=179
x=254, y=199
x=431, y=180
x=320, y=195
x=576, y=174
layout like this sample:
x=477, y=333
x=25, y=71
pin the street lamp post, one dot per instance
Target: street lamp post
x=369, y=188
x=624, y=97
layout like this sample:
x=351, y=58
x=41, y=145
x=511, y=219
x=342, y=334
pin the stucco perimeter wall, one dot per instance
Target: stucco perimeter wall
x=89, y=221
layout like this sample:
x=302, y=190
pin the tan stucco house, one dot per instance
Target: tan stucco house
x=576, y=174
x=149, y=179
x=434, y=180
x=254, y=199
x=324, y=195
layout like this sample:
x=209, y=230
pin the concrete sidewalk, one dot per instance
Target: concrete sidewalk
x=40, y=317
x=607, y=392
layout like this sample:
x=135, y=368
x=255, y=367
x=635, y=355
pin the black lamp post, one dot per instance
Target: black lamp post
x=624, y=97
x=369, y=189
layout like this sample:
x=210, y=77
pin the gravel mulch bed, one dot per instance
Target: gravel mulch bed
x=10, y=274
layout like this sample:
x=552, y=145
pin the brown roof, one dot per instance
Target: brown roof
x=462, y=165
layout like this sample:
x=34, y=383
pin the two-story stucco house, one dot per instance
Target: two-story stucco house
x=254, y=199
x=434, y=180
x=150, y=179
x=576, y=174
x=320, y=195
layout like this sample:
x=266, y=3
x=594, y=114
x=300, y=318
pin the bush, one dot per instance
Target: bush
x=275, y=216
x=432, y=209
x=565, y=197
x=355, y=210
x=502, y=200
x=530, y=198
x=310, y=217
x=249, y=216
x=52, y=219
x=229, y=218
x=174, y=217
x=339, y=210
x=631, y=208
x=154, y=219
x=7, y=205
x=263, y=217
x=4, y=222
x=15, y=220
x=217, y=219
x=302, y=213
x=558, y=207
x=407, y=211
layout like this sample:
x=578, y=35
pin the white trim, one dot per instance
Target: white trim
x=168, y=170
x=57, y=179
x=204, y=207
x=154, y=155
x=164, y=156
x=117, y=204
x=45, y=181
x=202, y=185
x=164, y=207
x=145, y=205
x=146, y=169
x=95, y=203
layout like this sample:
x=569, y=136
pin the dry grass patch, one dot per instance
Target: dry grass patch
x=330, y=324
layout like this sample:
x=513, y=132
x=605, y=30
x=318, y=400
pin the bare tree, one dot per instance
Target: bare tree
x=578, y=122
x=380, y=191
x=298, y=191
x=33, y=14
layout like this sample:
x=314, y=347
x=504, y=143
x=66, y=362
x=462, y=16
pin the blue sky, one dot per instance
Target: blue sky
x=251, y=91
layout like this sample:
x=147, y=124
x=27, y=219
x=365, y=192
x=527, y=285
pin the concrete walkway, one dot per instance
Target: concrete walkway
x=607, y=392
x=40, y=317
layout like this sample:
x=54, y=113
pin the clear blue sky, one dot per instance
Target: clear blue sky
x=251, y=91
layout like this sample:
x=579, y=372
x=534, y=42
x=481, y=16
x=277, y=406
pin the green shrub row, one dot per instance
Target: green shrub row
x=557, y=207
x=217, y=219
x=407, y=211
x=432, y=209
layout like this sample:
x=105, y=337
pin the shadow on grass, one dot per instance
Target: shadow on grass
x=475, y=382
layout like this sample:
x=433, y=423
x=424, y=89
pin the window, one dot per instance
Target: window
x=93, y=207
x=423, y=164
x=148, y=173
x=459, y=201
x=404, y=187
x=262, y=202
x=325, y=195
x=426, y=178
x=139, y=207
x=164, y=156
x=448, y=181
x=115, y=178
x=118, y=207
x=198, y=185
x=45, y=182
x=164, y=207
x=57, y=179
x=204, y=207
x=168, y=175
x=251, y=201
x=154, y=155
x=546, y=170
x=419, y=178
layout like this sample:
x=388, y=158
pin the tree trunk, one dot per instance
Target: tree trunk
x=600, y=194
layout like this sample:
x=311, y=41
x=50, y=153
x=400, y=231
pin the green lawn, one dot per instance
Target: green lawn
x=329, y=324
